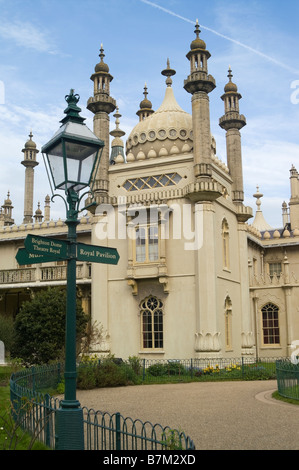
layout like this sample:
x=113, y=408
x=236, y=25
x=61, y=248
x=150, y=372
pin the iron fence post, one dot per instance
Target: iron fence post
x=117, y=429
x=33, y=378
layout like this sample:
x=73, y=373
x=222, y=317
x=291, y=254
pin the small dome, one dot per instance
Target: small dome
x=267, y=235
x=230, y=87
x=7, y=201
x=38, y=210
x=140, y=155
x=152, y=153
x=276, y=234
x=197, y=43
x=130, y=157
x=101, y=66
x=30, y=144
x=119, y=159
x=145, y=104
x=169, y=125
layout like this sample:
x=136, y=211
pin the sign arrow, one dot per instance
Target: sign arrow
x=24, y=257
x=97, y=254
x=45, y=246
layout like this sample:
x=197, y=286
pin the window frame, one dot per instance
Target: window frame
x=152, y=332
x=268, y=324
x=147, y=228
x=273, y=273
x=225, y=245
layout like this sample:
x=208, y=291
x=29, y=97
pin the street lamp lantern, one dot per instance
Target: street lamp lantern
x=73, y=154
x=71, y=157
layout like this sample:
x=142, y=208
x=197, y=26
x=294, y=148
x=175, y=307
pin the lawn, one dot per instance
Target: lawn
x=11, y=436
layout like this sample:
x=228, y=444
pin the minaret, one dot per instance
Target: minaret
x=199, y=83
x=294, y=200
x=47, y=208
x=38, y=214
x=145, y=106
x=7, y=211
x=102, y=104
x=285, y=214
x=30, y=151
x=232, y=122
x=117, y=145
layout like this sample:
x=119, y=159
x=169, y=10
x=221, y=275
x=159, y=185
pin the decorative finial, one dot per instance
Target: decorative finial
x=230, y=75
x=72, y=111
x=258, y=195
x=168, y=72
x=102, y=55
x=145, y=91
x=197, y=30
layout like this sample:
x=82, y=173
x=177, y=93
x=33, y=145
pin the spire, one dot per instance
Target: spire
x=145, y=106
x=117, y=145
x=47, y=208
x=199, y=84
x=101, y=104
x=232, y=121
x=38, y=214
x=7, y=211
x=231, y=99
x=259, y=220
x=30, y=152
x=101, y=66
x=168, y=72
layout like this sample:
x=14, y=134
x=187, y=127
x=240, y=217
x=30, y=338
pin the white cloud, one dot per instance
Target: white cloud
x=26, y=35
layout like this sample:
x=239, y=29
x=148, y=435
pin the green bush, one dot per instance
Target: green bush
x=40, y=327
x=171, y=368
x=108, y=372
x=7, y=332
x=156, y=370
x=135, y=363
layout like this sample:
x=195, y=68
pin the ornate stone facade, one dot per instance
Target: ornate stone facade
x=197, y=276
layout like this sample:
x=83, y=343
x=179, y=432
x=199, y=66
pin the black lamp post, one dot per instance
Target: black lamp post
x=71, y=157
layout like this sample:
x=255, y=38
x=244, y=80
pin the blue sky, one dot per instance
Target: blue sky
x=48, y=47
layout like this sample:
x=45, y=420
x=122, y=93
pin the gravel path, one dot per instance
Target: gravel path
x=217, y=416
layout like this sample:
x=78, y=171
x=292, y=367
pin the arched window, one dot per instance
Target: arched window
x=270, y=324
x=228, y=323
x=152, y=323
x=225, y=244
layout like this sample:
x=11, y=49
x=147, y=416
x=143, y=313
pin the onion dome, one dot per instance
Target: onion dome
x=30, y=144
x=101, y=66
x=145, y=103
x=168, y=126
x=7, y=201
x=117, y=145
x=197, y=43
x=230, y=86
x=145, y=106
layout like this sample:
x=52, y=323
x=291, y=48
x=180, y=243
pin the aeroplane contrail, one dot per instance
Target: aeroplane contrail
x=251, y=49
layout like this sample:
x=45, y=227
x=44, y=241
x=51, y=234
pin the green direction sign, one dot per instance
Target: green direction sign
x=24, y=257
x=46, y=247
x=97, y=254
